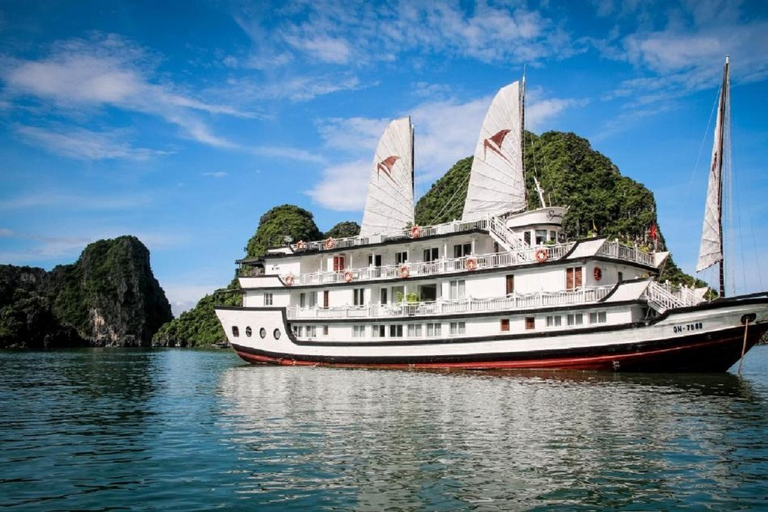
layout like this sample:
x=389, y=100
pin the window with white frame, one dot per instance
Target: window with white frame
x=359, y=296
x=575, y=319
x=396, y=330
x=401, y=257
x=458, y=288
x=358, y=331
x=433, y=329
x=311, y=331
x=414, y=330
x=312, y=299
x=554, y=321
x=267, y=299
x=458, y=328
x=432, y=254
x=597, y=318
x=461, y=250
x=378, y=331
x=302, y=299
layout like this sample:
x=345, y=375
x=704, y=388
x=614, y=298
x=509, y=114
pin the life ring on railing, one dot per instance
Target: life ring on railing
x=471, y=264
x=329, y=243
x=348, y=276
x=597, y=273
x=289, y=280
x=415, y=232
x=301, y=245
x=405, y=272
x=541, y=255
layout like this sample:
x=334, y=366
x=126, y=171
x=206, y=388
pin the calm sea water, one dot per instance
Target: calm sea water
x=196, y=430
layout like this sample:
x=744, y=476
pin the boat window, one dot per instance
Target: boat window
x=263, y=332
x=401, y=257
x=379, y=331
x=553, y=236
x=432, y=254
x=235, y=331
x=458, y=327
x=575, y=319
x=597, y=318
x=573, y=278
x=312, y=299
x=302, y=299
x=338, y=263
x=325, y=330
x=248, y=331
x=267, y=299
x=510, y=284
x=383, y=296
x=311, y=331
x=374, y=262
x=396, y=331
x=433, y=329
x=358, y=331
x=428, y=292
x=276, y=334
x=414, y=330
x=458, y=289
x=530, y=322
x=505, y=324
x=554, y=321
x=541, y=236
x=461, y=250
x=359, y=296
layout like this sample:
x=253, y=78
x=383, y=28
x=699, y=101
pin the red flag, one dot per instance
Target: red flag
x=653, y=232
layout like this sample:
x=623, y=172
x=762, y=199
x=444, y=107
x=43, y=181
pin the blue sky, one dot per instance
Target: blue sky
x=183, y=121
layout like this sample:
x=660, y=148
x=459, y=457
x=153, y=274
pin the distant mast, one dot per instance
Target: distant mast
x=389, y=205
x=711, y=250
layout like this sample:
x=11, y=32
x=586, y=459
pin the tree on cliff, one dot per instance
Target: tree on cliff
x=343, y=230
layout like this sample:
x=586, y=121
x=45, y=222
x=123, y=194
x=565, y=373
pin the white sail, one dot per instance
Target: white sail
x=711, y=249
x=497, y=182
x=389, y=206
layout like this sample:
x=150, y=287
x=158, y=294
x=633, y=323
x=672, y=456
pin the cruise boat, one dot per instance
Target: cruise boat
x=500, y=288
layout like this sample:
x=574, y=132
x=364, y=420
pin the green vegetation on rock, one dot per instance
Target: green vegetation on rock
x=109, y=297
x=343, y=230
x=282, y=224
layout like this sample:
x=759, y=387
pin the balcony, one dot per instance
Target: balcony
x=513, y=302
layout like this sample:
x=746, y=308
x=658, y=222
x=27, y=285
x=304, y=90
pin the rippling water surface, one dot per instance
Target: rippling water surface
x=187, y=430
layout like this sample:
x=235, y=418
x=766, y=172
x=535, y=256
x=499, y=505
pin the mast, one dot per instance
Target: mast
x=711, y=250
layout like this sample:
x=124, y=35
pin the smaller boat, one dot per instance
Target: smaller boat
x=500, y=288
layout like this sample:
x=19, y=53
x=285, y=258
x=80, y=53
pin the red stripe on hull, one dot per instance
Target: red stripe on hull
x=707, y=356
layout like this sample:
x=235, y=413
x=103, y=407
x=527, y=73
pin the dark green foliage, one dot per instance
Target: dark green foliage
x=444, y=201
x=108, y=297
x=280, y=224
x=343, y=230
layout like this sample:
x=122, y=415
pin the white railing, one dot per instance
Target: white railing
x=620, y=251
x=437, y=267
x=505, y=237
x=664, y=296
x=356, y=241
x=456, y=306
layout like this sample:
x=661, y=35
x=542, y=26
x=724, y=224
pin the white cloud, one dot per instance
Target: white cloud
x=109, y=71
x=83, y=144
x=343, y=187
x=217, y=174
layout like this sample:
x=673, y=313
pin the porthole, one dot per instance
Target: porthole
x=263, y=333
x=235, y=331
x=248, y=331
x=276, y=334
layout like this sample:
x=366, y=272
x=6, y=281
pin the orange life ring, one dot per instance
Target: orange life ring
x=348, y=277
x=289, y=279
x=405, y=272
x=598, y=273
x=471, y=264
x=301, y=245
x=415, y=232
x=330, y=243
x=541, y=255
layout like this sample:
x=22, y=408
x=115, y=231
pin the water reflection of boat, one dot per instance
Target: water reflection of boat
x=515, y=294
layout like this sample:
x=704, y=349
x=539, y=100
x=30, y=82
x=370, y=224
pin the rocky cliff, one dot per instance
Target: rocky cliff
x=109, y=297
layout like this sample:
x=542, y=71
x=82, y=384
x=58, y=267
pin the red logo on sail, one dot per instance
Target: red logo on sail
x=386, y=166
x=494, y=144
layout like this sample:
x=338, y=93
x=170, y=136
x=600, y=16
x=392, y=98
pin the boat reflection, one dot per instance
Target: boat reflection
x=413, y=440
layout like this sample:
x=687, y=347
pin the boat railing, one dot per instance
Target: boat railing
x=357, y=241
x=435, y=267
x=513, y=301
x=664, y=296
x=615, y=249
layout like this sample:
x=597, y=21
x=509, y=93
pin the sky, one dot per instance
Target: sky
x=183, y=121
